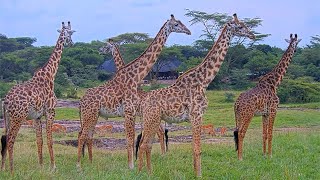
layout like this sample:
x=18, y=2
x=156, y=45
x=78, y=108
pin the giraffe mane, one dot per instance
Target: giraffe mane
x=208, y=54
x=142, y=54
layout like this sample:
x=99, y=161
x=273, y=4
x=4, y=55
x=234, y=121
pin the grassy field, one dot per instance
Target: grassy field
x=296, y=151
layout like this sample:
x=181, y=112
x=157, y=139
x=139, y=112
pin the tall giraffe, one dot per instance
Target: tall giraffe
x=112, y=47
x=33, y=99
x=185, y=100
x=262, y=100
x=119, y=96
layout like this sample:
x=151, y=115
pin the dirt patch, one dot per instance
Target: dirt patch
x=120, y=143
x=68, y=103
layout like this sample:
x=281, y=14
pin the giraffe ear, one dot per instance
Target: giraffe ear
x=287, y=40
x=59, y=31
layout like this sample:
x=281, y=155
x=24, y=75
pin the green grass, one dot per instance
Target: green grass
x=296, y=153
x=67, y=114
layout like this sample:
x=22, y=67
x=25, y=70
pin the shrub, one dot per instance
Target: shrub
x=295, y=91
x=72, y=93
x=229, y=96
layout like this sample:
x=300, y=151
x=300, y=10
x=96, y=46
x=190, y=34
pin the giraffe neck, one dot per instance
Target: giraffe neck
x=141, y=66
x=274, y=78
x=118, y=60
x=51, y=67
x=205, y=72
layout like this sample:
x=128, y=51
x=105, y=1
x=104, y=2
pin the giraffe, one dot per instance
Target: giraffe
x=112, y=47
x=33, y=99
x=262, y=100
x=185, y=100
x=119, y=96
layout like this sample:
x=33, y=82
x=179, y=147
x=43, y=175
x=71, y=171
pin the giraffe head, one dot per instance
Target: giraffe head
x=293, y=42
x=238, y=28
x=67, y=32
x=108, y=47
x=174, y=25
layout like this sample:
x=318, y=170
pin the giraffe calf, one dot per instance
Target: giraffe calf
x=101, y=130
x=208, y=129
x=58, y=128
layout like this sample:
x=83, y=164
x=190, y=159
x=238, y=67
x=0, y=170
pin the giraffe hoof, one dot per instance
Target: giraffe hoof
x=53, y=168
x=79, y=167
x=131, y=166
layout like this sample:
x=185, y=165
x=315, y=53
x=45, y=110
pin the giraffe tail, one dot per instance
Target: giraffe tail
x=236, y=138
x=3, y=144
x=166, y=138
x=4, y=137
x=138, y=143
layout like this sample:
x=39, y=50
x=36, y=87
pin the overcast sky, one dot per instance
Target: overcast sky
x=101, y=19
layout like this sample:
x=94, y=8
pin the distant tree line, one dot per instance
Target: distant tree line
x=245, y=62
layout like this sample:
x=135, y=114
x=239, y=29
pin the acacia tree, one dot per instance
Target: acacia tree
x=131, y=38
x=315, y=41
x=212, y=24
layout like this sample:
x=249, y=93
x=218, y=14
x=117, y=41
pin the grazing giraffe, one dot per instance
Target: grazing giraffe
x=33, y=99
x=262, y=100
x=185, y=100
x=112, y=47
x=119, y=96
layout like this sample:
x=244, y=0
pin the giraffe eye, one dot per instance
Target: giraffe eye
x=176, y=24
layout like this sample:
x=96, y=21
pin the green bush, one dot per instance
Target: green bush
x=229, y=96
x=4, y=88
x=58, y=91
x=72, y=93
x=295, y=91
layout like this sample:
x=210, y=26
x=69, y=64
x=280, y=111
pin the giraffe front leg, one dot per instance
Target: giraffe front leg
x=129, y=126
x=38, y=128
x=264, y=133
x=50, y=114
x=196, y=138
x=270, y=131
x=13, y=132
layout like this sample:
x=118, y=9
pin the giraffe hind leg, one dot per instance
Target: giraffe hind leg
x=160, y=134
x=38, y=127
x=50, y=114
x=264, y=133
x=13, y=132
